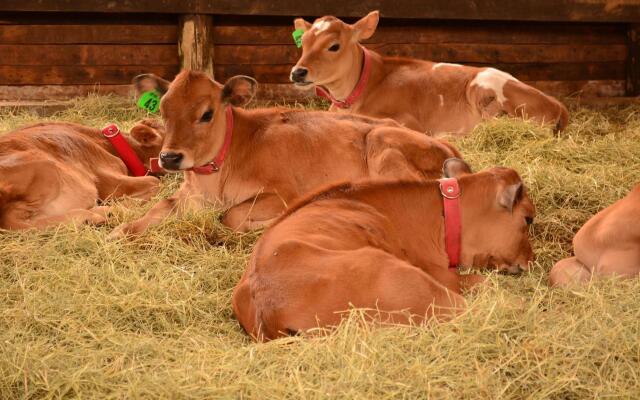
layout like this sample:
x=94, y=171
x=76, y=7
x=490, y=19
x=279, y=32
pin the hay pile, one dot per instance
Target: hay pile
x=80, y=316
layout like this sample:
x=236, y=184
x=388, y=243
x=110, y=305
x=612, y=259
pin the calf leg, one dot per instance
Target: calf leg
x=254, y=213
x=114, y=185
x=95, y=216
x=318, y=286
x=568, y=272
x=182, y=201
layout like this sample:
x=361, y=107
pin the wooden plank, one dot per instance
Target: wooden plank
x=195, y=46
x=59, y=92
x=81, y=34
x=86, y=18
x=278, y=92
x=68, y=75
x=601, y=88
x=485, y=53
x=71, y=54
x=523, y=10
x=440, y=33
x=633, y=61
x=101, y=6
x=533, y=72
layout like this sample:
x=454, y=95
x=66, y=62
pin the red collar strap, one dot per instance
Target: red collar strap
x=214, y=165
x=450, y=191
x=124, y=150
x=357, y=91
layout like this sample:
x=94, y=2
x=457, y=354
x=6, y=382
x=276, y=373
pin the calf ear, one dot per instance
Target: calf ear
x=146, y=135
x=510, y=195
x=455, y=168
x=300, y=23
x=239, y=90
x=148, y=82
x=366, y=27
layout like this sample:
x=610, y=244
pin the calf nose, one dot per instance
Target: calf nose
x=299, y=74
x=171, y=160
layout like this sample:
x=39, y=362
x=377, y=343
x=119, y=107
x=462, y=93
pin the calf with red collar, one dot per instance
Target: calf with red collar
x=387, y=247
x=423, y=95
x=55, y=172
x=254, y=163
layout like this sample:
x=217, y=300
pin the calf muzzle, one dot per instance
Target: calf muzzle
x=171, y=160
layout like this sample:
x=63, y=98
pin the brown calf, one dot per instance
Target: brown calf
x=380, y=246
x=270, y=156
x=607, y=245
x=422, y=95
x=56, y=171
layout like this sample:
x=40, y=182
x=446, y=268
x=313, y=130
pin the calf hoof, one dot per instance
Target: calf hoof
x=122, y=231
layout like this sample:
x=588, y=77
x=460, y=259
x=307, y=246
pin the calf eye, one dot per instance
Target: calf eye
x=335, y=47
x=206, y=117
x=529, y=220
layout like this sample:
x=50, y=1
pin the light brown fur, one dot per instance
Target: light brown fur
x=55, y=172
x=276, y=155
x=422, y=95
x=379, y=246
x=607, y=245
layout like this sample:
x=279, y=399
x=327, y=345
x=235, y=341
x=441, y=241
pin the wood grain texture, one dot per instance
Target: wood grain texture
x=436, y=32
x=59, y=92
x=525, y=10
x=71, y=54
x=195, y=47
x=633, y=61
x=86, y=34
x=464, y=53
x=81, y=75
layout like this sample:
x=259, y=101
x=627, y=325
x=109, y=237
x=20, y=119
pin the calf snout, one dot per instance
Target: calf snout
x=171, y=160
x=299, y=74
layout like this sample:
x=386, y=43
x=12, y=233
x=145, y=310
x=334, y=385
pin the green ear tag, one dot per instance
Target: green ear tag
x=150, y=101
x=297, y=37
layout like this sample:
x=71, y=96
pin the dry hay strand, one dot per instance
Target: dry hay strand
x=81, y=316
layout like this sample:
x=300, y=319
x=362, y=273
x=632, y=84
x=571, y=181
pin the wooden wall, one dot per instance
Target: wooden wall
x=65, y=55
x=560, y=58
x=57, y=49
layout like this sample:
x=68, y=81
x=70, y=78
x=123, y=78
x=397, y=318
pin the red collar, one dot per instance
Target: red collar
x=124, y=150
x=450, y=191
x=357, y=91
x=214, y=165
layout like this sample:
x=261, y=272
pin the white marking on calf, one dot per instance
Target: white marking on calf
x=320, y=26
x=441, y=100
x=438, y=65
x=493, y=79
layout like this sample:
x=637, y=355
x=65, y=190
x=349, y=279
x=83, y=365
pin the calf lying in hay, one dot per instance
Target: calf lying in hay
x=382, y=246
x=607, y=245
x=55, y=172
x=255, y=162
x=422, y=95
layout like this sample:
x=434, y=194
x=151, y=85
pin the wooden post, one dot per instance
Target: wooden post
x=195, y=44
x=633, y=60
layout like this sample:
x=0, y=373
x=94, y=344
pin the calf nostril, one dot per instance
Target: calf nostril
x=299, y=74
x=171, y=160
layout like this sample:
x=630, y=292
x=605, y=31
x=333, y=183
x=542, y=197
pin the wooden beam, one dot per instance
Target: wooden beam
x=633, y=60
x=195, y=44
x=627, y=11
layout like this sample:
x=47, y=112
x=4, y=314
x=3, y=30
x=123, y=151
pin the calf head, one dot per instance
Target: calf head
x=496, y=213
x=330, y=48
x=193, y=111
